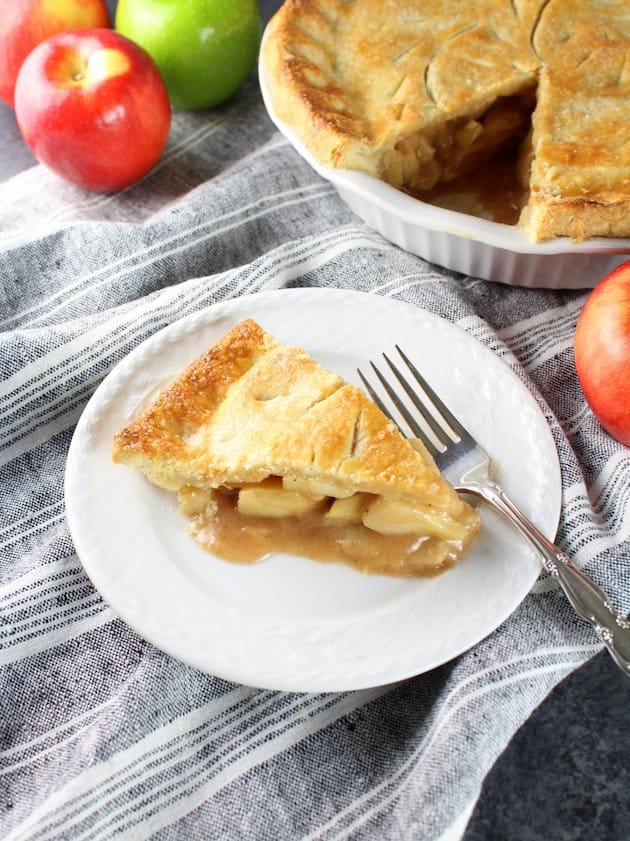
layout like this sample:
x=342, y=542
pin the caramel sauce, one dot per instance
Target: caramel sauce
x=492, y=191
x=222, y=530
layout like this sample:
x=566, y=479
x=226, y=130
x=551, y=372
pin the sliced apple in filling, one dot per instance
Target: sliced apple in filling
x=271, y=499
x=452, y=148
x=270, y=452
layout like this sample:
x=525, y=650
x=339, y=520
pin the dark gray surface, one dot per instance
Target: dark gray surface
x=566, y=773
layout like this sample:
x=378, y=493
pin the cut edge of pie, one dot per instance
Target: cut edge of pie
x=265, y=423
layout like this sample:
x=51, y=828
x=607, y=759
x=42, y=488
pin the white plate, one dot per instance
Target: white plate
x=287, y=622
x=458, y=241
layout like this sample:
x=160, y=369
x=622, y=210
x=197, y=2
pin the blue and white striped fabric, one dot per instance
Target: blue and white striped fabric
x=102, y=735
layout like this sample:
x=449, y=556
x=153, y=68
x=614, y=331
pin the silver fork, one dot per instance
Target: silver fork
x=467, y=466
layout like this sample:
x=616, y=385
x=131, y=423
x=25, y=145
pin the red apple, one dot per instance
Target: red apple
x=92, y=106
x=25, y=23
x=602, y=352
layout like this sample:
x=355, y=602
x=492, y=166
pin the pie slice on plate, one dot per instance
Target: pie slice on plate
x=268, y=451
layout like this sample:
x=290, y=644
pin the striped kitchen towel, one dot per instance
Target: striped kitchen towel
x=102, y=734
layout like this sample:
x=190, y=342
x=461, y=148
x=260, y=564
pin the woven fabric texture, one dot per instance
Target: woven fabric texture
x=101, y=734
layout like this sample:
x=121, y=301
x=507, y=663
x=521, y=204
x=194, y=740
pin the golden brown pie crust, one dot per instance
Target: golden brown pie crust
x=251, y=411
x=250, y=408
x=370, y=84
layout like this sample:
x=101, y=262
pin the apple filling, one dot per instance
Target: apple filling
x=327, y=523
x=443, y=153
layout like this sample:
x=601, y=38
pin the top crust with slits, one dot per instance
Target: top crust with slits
x=416, y=93
x=250, y=407
x=354, y=78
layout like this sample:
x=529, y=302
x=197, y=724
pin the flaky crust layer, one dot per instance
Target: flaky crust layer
x=250, y=407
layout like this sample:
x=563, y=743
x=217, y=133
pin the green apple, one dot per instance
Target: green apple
x=204, y=49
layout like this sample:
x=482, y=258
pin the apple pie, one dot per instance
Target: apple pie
x=423, y=94
x=270, y=452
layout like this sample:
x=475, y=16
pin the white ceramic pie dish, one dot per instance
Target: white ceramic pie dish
x=458, y=241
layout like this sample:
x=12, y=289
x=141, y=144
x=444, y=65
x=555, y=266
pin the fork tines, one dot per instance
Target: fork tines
x=440, y=434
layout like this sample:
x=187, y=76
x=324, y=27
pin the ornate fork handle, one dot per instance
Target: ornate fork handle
x=464, y=461
x=585, y=596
